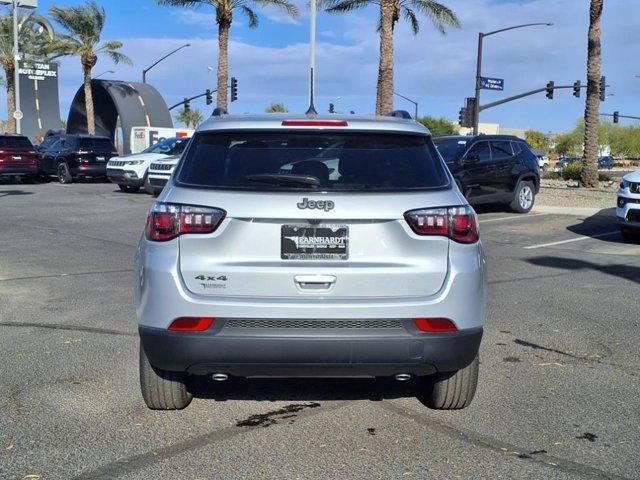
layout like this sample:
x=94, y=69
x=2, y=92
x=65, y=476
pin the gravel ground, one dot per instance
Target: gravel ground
x=556, y=193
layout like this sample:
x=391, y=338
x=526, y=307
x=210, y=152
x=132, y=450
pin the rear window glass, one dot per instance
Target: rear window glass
x=15, y=142
x=450, y=148
x=277, y=160
x=103, y=144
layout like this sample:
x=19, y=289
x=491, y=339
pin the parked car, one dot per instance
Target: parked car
x=130, y=171
x=543, y=159
x=492, y=169
x=77, y=156
x=159, y=173
x=628, y=208
x=606, y=162
x=564, y=161
x=18, y=157
x=244, y=270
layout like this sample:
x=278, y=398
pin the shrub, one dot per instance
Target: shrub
x=572, y=171
x=605, y=176
x=550, y=175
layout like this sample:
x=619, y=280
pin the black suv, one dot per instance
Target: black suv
x=74, y=155
x=492, y=169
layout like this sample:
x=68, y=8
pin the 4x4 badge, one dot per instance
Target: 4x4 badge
x=325, y=205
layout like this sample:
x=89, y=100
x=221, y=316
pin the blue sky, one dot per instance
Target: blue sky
x=271, y=61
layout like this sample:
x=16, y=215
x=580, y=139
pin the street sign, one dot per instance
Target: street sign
x=492, y=83
x=18, y=115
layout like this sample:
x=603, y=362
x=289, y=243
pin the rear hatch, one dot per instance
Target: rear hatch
x=17, y=151
x=96, y=150
x=313, y=214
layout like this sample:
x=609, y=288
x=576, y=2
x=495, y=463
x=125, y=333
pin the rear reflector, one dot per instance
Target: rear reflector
x=314, y=123
x=458, y=223
x=167, y=221
x=435, y=325
x=191, y=324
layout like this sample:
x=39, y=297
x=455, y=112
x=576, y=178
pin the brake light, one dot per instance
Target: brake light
x=167, y=221
x=314, y=123
x=191, y=324
x=460, y=224
x=435, y=325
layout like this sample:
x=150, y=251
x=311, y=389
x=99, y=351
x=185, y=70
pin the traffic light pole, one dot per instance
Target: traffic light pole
x=187, y=100
x=619, y=116
x=525, y=94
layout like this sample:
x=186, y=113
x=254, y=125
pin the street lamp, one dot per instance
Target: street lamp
x=104, y=73
x=415, y=104
x=481, y=36
x=144, y=72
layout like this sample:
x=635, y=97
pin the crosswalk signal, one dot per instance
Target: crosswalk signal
x=234, y=89
x=576, y=89
x=209, y=96
x=616, y=117
x=187, y=105
x=550, y=86
x=603, y=89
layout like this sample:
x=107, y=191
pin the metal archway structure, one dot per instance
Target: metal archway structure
x=137, y=105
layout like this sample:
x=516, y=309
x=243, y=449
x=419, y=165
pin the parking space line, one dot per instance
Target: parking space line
x=512, y=217
x=561, y=242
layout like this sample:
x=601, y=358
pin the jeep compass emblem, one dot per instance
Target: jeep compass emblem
x=325, y=205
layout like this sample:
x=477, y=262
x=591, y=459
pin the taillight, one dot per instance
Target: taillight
x=167, y=221
x=435, y=325
x=460, y=224
x=191, y=324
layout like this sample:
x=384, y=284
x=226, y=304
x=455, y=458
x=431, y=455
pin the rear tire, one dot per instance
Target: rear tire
x=129, y=188
x=450, y=390
x=64, y=175
x=162, y=389
x=524, y=197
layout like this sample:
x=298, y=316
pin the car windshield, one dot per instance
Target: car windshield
x=15, y=142
x=328, y=161
x=450, y=148
x=96, y=144
x=170, y=146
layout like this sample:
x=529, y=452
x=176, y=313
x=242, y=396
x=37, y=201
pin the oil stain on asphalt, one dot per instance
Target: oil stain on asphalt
x=271, y=418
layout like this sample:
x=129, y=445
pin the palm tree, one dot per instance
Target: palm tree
x=224, y=17
x=390, y=12
x=84, y=26
x=276, y=108
x=31, y=45
x=589, y=176
x=191, y=118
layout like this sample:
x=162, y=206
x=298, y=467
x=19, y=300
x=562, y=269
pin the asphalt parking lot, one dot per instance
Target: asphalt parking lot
x=559, y=391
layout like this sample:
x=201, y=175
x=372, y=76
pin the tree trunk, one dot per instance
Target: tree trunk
x=223, y=62
x=88, y=101
x=589, y=177
x=384, y=93
x=11, y=96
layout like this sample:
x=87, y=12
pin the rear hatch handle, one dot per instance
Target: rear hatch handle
x=314, y=282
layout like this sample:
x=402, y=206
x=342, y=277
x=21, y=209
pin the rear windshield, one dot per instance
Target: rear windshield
x=450, y=148
x=15, y=142
x=276, y=160
x=96, y=144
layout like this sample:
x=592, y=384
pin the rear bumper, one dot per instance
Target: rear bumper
x=346, y=355
x=19, y=170
x=124, y=177
x=89, y=170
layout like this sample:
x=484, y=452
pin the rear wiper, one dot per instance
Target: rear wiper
x=285, y=179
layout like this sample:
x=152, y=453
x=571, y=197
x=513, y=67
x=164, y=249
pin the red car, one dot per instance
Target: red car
x=18, y=157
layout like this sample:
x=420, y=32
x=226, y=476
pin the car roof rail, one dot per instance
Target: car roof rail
x=400, y=114
x=219, y=112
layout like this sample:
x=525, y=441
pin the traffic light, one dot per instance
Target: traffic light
x=603, y=89
x=209, y=96
x=466, y=113
x=462, y=117
x=576, y=89
x=234, y=89
x=616, y=117
x=550, y=86
x=187, y=105
x=332, y=108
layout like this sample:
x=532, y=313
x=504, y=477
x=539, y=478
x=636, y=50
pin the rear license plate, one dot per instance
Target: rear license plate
x=306, y=242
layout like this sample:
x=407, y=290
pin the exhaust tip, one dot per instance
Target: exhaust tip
x=403, y=377
x=219, y=377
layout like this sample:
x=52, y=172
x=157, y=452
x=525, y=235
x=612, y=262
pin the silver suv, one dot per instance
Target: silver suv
x=290, y=245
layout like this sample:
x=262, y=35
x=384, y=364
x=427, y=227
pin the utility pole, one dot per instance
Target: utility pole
x=17, y=114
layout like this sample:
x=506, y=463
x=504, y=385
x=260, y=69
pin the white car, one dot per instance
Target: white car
x=543, y=162
x=628, y=208
x=159, y=173
x=130, y=171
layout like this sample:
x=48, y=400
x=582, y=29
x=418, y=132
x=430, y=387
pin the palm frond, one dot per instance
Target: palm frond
x=283, y=5
x=342, y=6
x=251, y=16
x=440, y=15
x=117, y=57
x=410, y=16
